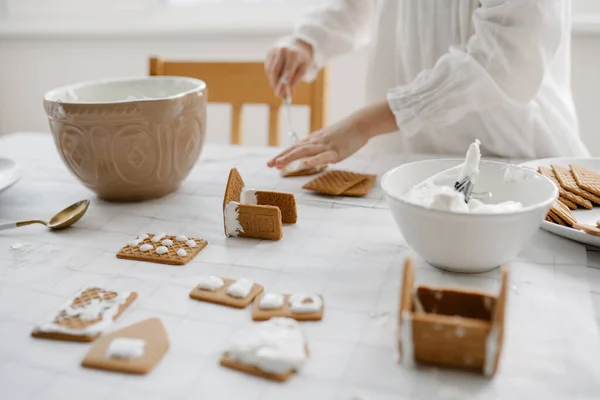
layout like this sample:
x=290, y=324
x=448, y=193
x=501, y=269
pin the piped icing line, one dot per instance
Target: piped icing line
x=107, y=309
x=406, y=339
x=240, y=288
x=491, y=351
x=232, y=224
x=248, y=196
x=126, y=348
x=305, y=303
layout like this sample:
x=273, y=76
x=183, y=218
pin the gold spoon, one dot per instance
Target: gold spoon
x=63, y=219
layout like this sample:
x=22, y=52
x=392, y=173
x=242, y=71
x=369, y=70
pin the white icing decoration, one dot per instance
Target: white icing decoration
x=275, y=346
x=126, y=348
x=240, y=288
x=271, y=301
x=491, y=349
x=232, y=225
x=181, y=253
x=248, y=196
x=158, y=237
x=134, y=243
x=181, y=238
x=191, y=243
x=105, y=309
x=210, y=283
x=146, y=247
x=167, y=243
x=144, y=236
x=305, y=303
x=406, y=339
x=161, y=250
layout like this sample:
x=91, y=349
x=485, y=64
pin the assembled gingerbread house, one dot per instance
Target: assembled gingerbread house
x=449, y=327
x=256, y=213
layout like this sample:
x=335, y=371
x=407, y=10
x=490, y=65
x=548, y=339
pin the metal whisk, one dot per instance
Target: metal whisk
x=465, y=186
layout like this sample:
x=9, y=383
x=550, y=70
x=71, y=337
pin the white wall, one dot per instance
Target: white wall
x=29, y=67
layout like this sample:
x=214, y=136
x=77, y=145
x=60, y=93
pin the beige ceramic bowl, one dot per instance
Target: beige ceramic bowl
x=129, y=139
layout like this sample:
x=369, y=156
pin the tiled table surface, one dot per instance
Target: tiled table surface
x=347, y=249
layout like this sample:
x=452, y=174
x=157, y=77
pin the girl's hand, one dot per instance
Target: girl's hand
x=330, y=145
x=340, y=140
x=289, y=60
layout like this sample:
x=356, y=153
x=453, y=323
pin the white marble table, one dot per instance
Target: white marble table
x=347, y=249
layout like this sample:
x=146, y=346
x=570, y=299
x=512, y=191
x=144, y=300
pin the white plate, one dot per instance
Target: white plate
x=9, y=173
x=584, y=216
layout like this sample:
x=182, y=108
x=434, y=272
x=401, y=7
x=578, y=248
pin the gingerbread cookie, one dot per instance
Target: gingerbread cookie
x=362, y=188
x=88, y=314
x=227, y=292
x=163, y=249
x=561, y=214
x=549, y=173
x=586, y=179
x=299, y=306
x=568, y=182
x=591, y=229
x=334, y=182
x=568, y=203
x=274, y=350
x=135, y=349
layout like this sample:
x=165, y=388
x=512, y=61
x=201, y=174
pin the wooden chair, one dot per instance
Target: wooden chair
x=246, y=83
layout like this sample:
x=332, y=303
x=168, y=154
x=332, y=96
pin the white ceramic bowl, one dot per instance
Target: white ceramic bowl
x=469, y=242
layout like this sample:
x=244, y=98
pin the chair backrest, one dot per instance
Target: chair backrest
x=239, y=83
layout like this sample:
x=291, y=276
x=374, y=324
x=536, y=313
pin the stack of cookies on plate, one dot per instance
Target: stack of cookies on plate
x=578, y=187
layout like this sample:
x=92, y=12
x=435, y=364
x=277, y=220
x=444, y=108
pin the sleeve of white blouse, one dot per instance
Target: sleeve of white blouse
x=335, y=28
x=505, y=60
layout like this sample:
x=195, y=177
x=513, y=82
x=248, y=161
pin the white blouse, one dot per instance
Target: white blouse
x=458, y=70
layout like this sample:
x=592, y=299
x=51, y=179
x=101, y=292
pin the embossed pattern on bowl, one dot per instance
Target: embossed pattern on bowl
x=129, y=139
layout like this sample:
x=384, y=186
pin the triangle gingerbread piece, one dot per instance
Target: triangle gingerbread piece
x=151, y=330
x=586, y=179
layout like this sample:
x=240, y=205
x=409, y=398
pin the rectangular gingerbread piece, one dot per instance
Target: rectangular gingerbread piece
x=253, y=221
x=337, y=182
x=171, y=257
x=259, y=314
x=219, y=296
x=286, y=202
x=156, y=344
x=362, y=188
x=88, y=314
